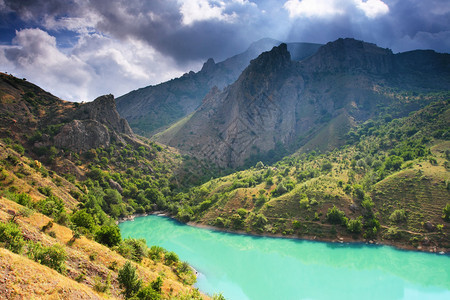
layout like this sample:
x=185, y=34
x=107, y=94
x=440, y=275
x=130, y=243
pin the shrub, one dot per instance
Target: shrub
x=101, y=287
x=296, y=224
x=446, y=211
x=237, y=221
x=82, y=219
x=354, y=225
x=11, y=237
x=134, y=249
x=219, y=222
x=129, y=280
x=24, y=199
x=112, y=196
x=358, y=191
x=398, y=216
x=280, y=190
x=108, y=235
x=51, y=206
x=148, y=293
x=53, y=256
x=335, y=216
x=45, y=190
x=392, y=233
x=393, y=162
x=170, y=258
x=259, y=221
x=156, y=252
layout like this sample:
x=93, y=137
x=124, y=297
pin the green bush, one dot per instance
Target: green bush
x=148, y=293
x=446, y=211
x=82, y=219
x=392, y=233
x=335, y=216
x=354, y=225
x=399, y=215
x=171, y=258
x=51, y=206
x=155, y=253
x=53, y=256
x=134, y=249
x=11, y=237
x=108, y=235
x=129, y=280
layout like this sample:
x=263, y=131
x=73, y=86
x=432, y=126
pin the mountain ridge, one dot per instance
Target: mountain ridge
x=277, y=101
x=152, y=108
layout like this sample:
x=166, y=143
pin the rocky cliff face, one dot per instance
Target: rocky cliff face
x=150, y=109
x=94, y=124
x=280, y=105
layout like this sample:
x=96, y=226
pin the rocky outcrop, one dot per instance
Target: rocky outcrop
x=350, y=54
x=95, y=124
x=103, y=109
x=82, y=135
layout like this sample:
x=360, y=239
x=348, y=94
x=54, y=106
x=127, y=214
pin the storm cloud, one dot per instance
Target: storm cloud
x=119, y=45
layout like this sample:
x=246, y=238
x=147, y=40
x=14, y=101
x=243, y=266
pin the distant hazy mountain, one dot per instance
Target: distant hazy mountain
x=279, y=105
x=151, y=109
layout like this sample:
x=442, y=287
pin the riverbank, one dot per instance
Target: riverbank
x=339, y=239
x=130, y=218
x=247, y=267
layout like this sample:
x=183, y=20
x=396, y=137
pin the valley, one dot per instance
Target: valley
x=342, y=142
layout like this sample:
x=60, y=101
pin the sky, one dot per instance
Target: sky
x=81, y=49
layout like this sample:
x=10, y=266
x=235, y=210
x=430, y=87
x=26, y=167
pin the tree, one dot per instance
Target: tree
x=354, y=225
x=108, y=235
x=82, y=219
x=112, y=196
x=170, y=258
x=335, y=216
x=129, y=280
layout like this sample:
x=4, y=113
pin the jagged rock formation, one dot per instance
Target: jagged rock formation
x=41, y=120
x=103, y=109
x=95, y=124
x=281, y=105
x=151, y=109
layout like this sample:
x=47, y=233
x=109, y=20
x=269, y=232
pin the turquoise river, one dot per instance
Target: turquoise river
x=248, y=267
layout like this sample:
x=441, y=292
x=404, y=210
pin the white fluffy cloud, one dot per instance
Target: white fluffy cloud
x=327, y=8
x=201, y=10
x=313, y=8
x=96, y=65
x=372, y=8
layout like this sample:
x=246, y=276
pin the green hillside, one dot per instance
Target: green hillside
x=389, y=184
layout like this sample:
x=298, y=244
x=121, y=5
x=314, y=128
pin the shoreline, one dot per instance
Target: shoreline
x=338, y=240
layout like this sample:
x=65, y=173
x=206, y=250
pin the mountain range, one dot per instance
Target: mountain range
x=279, y=105
x=339, y=142
x=153, y=108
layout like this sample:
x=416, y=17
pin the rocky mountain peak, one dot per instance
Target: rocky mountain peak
x=276, y=58
x=94, y=124
x=103, y=109
x=351, y=54
x=209, y=66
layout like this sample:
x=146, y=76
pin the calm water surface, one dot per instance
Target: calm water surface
x=245, y=267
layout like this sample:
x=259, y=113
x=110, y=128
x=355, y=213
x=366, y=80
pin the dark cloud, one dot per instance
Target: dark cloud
x=118, y=45
x=160, y=23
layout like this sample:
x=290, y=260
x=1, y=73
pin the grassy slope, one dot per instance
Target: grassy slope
x=84, y=256
x=25, y=109
x=420, y=187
